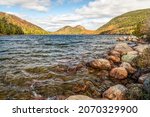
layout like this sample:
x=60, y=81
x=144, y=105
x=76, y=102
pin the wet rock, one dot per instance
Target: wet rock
x=119, y=73
x=105, y=85
x=79, y=87
x=103, y=74
x=143, y=78
x=79, y=97
x=102, y=64
x=115, y=59
x=117, y=92
x=135, y=91
x=146, y=85
x=37, y=70
x=123, y=48
x=128, y=67
x=128, y=58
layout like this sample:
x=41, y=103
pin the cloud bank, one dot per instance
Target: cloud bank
x=92, y=16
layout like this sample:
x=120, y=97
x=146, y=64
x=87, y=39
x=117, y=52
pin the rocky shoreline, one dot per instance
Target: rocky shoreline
x=125, y=72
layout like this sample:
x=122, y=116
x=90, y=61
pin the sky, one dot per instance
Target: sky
x=52, y=15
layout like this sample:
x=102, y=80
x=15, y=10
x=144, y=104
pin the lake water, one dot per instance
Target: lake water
x=44, y=66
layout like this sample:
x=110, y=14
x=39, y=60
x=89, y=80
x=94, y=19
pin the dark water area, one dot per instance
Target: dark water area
x=49, y=66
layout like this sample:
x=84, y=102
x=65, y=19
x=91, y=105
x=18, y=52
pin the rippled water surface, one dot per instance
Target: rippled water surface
x=47, y=66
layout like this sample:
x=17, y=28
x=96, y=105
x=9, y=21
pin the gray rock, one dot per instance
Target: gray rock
x=143, y=78
x=147, y=85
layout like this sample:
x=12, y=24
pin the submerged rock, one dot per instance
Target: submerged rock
x=102, y=64
x=79, y=97
x=117, y=92
x=119, y=73
x=103, y=74
x=37, y=70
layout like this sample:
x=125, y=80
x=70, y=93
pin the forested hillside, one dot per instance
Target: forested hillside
x=11, y=24
x=126, y=23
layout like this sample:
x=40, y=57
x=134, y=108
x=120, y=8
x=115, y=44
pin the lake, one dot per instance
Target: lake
x=49, y=67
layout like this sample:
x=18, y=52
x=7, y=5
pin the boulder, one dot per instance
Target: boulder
x=115, y=59
x=143, y=78
x=135, y=91
x=128, y=58
x=146, y=85
x=128, y=67
x=123, y=48
x=114, y=53
x=79, y=97
x=141, y=48
x=119, y=73
x=132, y=53
x=117, y=92
x=102, y=64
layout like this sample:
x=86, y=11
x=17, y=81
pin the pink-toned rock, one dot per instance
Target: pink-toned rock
x=123, y=48
x=115, y=59
x=79, y=97
x=141, y=48
x=114, y=53
x=128, y=67
x=133, y=53
x=102, y=64
x=117, y=92
x=119, y=73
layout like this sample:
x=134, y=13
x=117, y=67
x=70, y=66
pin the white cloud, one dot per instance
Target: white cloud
x=96, y=13
x=92, y=16
x=39, y=5
x=111, y=8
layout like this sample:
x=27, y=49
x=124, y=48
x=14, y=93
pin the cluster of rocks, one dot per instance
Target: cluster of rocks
x=119, y=66
x=130, y=38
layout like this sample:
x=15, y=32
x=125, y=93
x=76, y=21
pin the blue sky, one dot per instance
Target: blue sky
x=54, y=14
